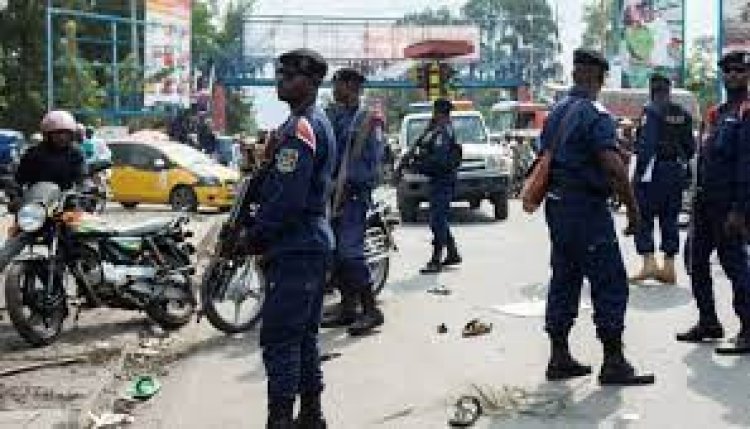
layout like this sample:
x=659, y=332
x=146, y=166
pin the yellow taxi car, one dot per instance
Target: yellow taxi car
x=164, y=172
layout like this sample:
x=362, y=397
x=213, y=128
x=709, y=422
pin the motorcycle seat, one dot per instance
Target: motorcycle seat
x=147, y=227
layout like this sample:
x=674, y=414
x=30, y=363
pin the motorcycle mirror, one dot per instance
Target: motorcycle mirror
x=159, y=164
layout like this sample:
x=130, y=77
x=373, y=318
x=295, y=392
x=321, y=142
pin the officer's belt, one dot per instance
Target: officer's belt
x=575, y=186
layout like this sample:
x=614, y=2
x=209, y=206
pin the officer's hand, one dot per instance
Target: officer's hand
x=735, y=225
x=634, y=219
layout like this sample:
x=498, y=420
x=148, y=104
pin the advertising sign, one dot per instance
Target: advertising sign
x=735, y=26
x=652, y=40
x=167, y=52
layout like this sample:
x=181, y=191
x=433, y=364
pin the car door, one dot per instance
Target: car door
x=121, y=181
x=149, y=174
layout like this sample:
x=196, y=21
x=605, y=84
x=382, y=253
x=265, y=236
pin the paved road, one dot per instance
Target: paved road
x=405, y=376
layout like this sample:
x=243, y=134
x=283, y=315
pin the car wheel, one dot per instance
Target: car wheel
x=475, y=204
x=500, y=203
x=183, y=199
x=129, y=206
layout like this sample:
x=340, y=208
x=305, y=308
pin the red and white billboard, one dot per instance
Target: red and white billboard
x=167, y=52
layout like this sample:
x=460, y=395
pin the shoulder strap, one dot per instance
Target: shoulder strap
x=338, y=193
x=572, y=108
x=360, y=137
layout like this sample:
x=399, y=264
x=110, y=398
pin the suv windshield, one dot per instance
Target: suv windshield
x=469, y=129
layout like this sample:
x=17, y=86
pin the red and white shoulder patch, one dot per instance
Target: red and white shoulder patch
x=306, y=133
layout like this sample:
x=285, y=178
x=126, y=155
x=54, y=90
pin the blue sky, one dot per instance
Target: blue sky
x=701, y=20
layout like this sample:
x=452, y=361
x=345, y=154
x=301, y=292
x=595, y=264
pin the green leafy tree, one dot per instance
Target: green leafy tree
x=599, y=32
x=701, y=73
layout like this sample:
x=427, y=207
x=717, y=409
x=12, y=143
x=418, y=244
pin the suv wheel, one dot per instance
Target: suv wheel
x=500, y=202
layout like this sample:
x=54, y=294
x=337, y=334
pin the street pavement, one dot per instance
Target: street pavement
x=406, y=375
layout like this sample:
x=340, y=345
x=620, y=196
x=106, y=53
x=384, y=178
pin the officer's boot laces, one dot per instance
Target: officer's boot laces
x=435, y=263
x=562, y=365
x=617, y=371
x=371, y=316
x=649, y=270
x=667, y=274
x=310, y=413
x=280, y=413
x=345, y=315
x=453, y=257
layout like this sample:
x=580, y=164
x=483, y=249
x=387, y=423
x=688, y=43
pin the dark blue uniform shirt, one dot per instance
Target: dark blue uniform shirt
x=660, y=123
x=724, y=165
x=362, y=171
x=588, y=130
x=437, y=162
x=293, y=213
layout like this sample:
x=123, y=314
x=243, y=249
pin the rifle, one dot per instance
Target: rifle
x=416, y=151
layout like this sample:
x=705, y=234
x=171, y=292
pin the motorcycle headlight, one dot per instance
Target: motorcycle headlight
x=31, y=217
x=209, y=181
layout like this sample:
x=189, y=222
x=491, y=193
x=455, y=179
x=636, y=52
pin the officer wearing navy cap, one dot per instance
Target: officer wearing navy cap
x=584, y=170
x=664, y=146
x=292, y=231
x=440, y=163
x=359, y=134
x=721, y=208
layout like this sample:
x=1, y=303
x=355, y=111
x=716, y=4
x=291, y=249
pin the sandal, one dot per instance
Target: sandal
x=475, y=328
x=467, y=411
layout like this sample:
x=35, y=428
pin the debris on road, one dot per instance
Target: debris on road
x=144, y=387
x=509, y=401
x=397, y=415
x=442, y=329
x=475, y=328
x=466, y=411
x=440, y=290
x=326, y=357
x=533, y=308
x=40, y=365
x=109, y=420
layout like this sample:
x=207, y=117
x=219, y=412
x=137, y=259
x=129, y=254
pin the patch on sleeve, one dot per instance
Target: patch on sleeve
x=287, y=159
x=306, y=133
x=600, y=107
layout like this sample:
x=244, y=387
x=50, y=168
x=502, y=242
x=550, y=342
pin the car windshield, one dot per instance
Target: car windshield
x=469, y=129
x=503, y=120
x=189, y=156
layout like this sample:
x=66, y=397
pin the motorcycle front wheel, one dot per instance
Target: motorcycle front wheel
x=175, y=307
x=37, y=318
x=232, y=294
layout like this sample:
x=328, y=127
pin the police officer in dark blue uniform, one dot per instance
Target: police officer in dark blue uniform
x=440, y=162
x=721, y=208
x=359, y=136
x=664, y=147
x=293, y=233
x=581, y=134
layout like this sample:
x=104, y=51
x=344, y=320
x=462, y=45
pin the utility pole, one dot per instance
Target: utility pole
x=134, y=31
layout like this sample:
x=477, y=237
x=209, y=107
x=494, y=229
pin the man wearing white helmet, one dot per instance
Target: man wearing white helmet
x=57, y=159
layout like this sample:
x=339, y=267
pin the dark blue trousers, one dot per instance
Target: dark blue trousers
x=351, y=270
x=706, y=237
x=441, y=193
x=291, y=318
x=584, y=245
x=660, y=199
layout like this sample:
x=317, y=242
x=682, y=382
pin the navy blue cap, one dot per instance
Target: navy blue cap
x=660, y=77
x=591, y=58
x=741, y=58
x=442, y=105
x=348, y=74
x=309, y=62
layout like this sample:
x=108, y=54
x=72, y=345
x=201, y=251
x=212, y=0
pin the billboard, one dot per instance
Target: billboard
x=266, y=37
x=652, y=39
x=735, y=24
x=166, y=56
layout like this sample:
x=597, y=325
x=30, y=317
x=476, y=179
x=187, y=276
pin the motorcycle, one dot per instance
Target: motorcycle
x=233, y=279
x=145, y=266
x=95, y=193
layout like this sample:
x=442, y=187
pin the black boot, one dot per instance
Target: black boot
x=453, y=257
x=705, y=329
x=739, y=345
x=310, y=413
x=616, y=370
x=371, y=316
x=345, y=314
x=562, y=365
x=280, y=413
x=435, y=263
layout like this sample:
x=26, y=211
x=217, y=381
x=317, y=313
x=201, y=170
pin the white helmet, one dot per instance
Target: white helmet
x=59, y=120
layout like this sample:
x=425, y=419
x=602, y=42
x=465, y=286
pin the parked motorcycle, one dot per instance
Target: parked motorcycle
x=233, y=288
x=145, y=266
